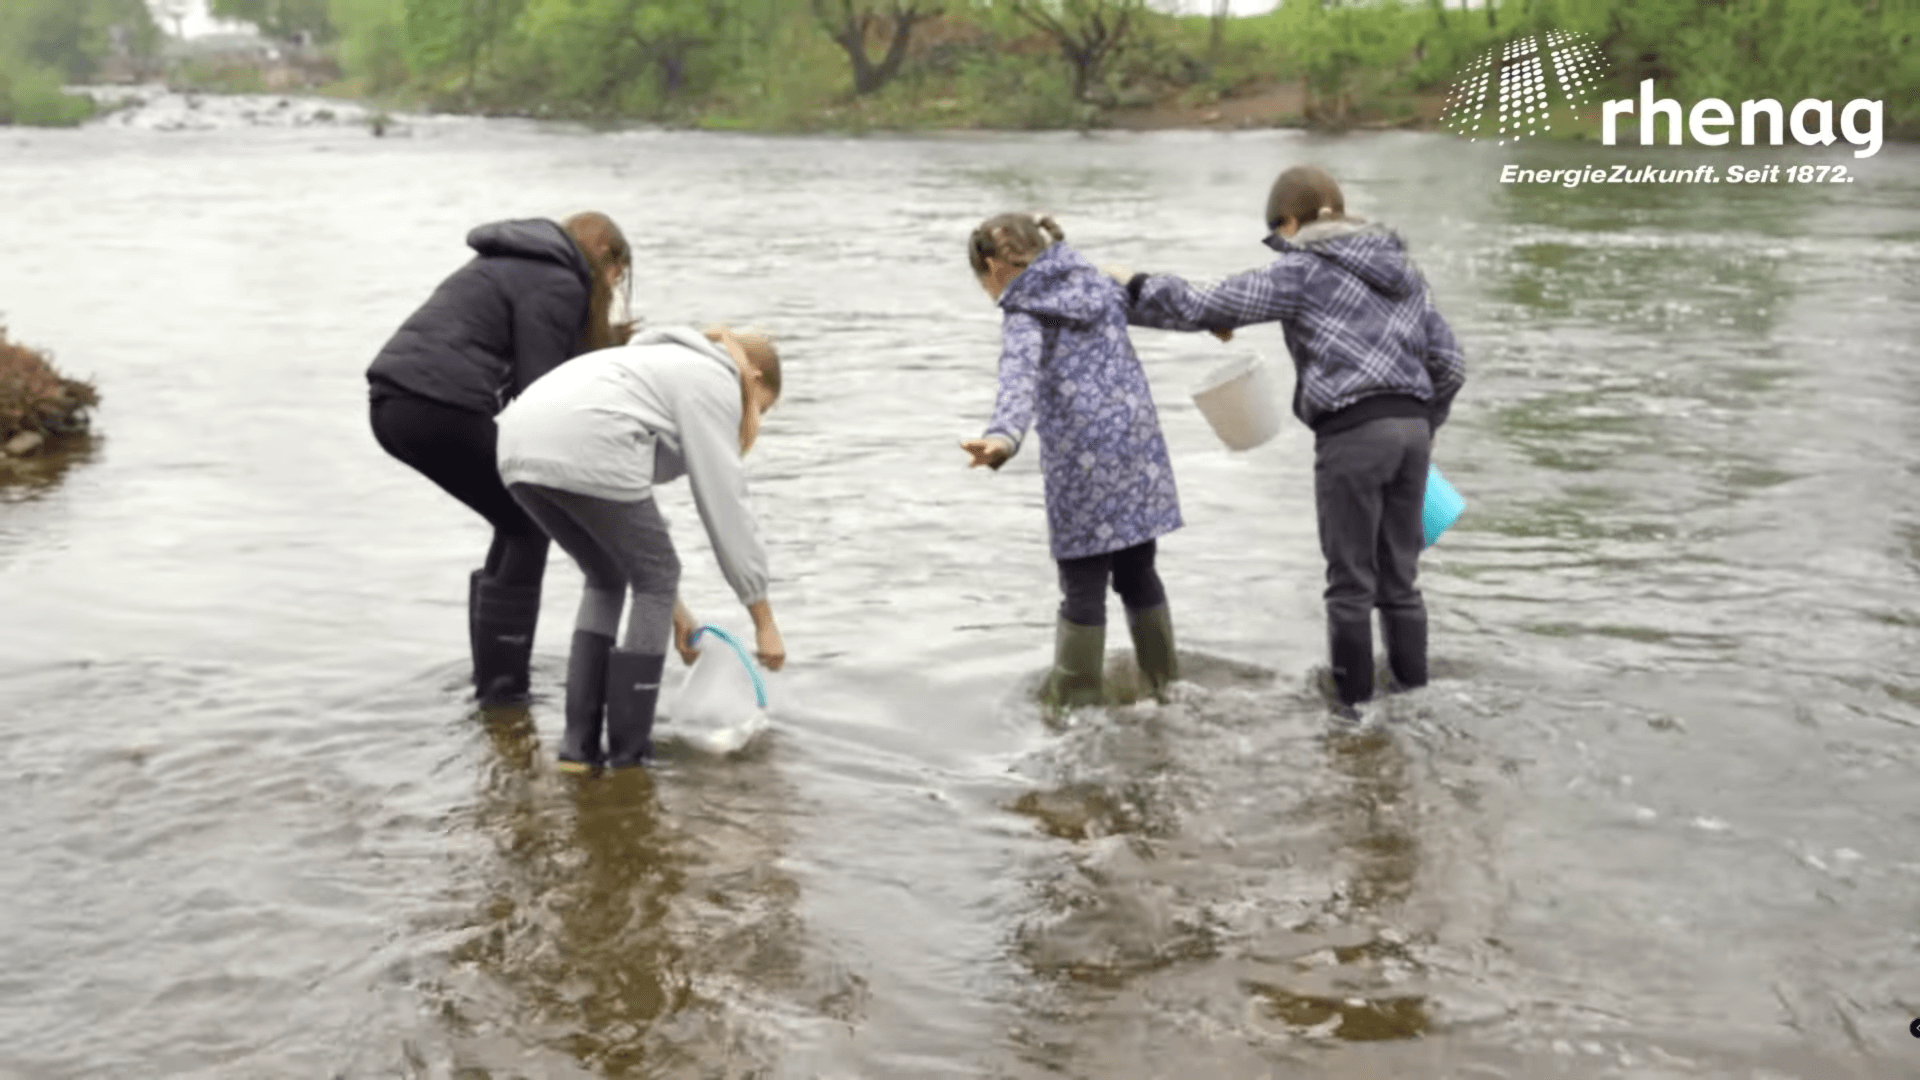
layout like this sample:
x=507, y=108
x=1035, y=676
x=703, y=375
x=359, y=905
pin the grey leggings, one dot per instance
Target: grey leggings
x=619, y=546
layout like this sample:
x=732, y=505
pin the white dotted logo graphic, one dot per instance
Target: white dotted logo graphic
x=1504, y=95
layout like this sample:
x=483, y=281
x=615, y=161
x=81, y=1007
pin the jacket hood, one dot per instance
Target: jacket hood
x=689, y=337
x=1062, y=284
x=531, y=238
x=1369, y=251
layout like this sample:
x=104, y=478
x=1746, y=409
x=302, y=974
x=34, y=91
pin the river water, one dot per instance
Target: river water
x=1653, y=819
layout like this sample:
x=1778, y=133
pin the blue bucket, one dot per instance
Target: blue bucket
x=1443, y=505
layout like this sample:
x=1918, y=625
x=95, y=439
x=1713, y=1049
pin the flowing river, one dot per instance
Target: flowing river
x=1655, y=818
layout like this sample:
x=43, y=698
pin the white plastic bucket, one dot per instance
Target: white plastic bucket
x=722, y=704
x=1240, y=403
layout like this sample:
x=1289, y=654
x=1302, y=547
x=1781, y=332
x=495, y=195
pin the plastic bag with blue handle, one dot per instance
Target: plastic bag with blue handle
x=1443, y=505
x=722, y=704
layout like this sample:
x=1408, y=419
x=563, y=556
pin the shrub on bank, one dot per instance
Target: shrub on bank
x=32, y=95
x=35, y=399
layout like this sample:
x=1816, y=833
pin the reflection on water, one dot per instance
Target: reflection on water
x=1651, y=819
x=636, y=930
x=23, y=478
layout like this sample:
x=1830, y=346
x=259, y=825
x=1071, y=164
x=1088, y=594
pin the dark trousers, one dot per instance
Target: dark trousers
x=454, y=448
x=1084, y=583
x=1369, y=484
x=620, y=546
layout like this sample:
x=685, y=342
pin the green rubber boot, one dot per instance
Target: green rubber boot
x=1079, y=667
x=1152, y=630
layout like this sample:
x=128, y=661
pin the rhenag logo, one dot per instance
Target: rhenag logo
x=1510, y=83
x=1506, y=95
x=1708, y=117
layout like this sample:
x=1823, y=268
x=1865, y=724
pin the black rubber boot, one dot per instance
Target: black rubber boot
x=1079, y=667
x=586, y=702
x=1404, y=633
x=633, y=693
x=473, y=623
x=1152, y=632
x=1350, y=647
x=504, y=623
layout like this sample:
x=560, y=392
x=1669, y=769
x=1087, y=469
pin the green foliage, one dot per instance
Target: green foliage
x=284, y=19
x=372, y=45
x=32, y=95
x=1039, y=63
x=73, y=38
x=46, y=43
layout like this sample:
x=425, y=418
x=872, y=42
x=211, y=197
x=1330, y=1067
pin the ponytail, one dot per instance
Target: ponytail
x=1015, y=239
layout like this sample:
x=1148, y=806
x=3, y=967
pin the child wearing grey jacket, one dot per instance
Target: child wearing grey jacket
x=581, y=449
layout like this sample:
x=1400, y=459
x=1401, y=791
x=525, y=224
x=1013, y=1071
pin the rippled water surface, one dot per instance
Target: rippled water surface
x=1655, y=817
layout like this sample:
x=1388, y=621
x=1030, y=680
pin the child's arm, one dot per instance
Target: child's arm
x=1166, y=302
x=1446, y=364
x=1021, y=343
x=709, y=418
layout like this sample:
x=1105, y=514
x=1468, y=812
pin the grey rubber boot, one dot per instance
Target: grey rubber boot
x=1350, y=647
x=586, y=702
x=1153, y=651
x=473, y=623
x=1405, y=635
x=1079, y=667
x=633, y=693
x=504, y=621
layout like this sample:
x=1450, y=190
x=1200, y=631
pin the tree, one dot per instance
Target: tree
x=1090, y=33
x=457, y=35
x=288, y=20
x=849, y=22
x=73, y=37
x=596, y=52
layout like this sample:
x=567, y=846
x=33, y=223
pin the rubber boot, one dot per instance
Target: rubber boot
x=1350, y=646
x=1079, y=666
x=633, y=693
x=1405, y=635
x=473, y=624
x=1152, y=631
x=586, y=702
x=504, y=625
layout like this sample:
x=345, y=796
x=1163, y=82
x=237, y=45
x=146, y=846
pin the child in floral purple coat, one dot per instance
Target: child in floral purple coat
x=1068, y=368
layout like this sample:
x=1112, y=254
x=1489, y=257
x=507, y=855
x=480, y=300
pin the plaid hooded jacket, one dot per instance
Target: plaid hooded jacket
x=1359, y=322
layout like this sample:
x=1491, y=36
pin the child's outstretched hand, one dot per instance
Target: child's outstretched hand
x=992, y=453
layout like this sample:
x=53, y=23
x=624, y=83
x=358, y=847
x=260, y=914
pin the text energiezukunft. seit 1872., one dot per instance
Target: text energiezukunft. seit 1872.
x=1698, y=174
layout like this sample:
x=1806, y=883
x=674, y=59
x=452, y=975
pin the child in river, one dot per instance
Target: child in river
x=1067, y=367
x=536, y=294
x=1377, y=370
x=582, y=450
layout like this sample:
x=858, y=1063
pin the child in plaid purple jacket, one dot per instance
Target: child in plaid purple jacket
x=1377, y=372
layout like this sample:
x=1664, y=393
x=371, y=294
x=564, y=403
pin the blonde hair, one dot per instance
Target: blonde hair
x=760, y=356
x=604, y=246
x=1014, y=239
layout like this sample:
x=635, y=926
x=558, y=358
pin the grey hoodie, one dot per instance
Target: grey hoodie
x=613, y=423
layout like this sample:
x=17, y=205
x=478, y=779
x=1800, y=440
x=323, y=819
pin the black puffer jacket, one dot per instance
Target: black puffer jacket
x=514, y=313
